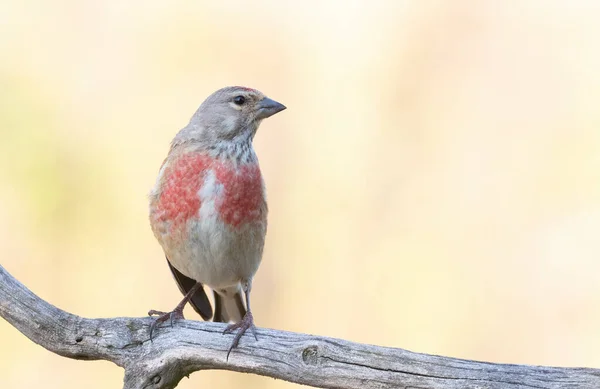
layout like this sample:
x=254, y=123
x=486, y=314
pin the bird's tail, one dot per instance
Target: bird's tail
x=229, y=308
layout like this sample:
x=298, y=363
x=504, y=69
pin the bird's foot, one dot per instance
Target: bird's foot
x=176, y=314
x=247, y=322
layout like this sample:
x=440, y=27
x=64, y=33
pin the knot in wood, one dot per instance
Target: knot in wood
x=310, y=355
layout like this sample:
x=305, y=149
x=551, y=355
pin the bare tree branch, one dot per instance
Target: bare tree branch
x=310, y=360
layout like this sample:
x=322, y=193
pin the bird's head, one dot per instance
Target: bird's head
x=230, y=114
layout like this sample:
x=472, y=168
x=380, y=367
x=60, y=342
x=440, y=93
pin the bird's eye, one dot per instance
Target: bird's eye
x=239, y=100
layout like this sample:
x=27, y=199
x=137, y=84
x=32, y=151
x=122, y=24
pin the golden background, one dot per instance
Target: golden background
x=434, y=183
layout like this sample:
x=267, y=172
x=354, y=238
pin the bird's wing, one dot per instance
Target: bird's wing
x=199, y=300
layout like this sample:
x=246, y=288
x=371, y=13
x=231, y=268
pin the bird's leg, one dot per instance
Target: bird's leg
x=176, y=314
x=246, y=322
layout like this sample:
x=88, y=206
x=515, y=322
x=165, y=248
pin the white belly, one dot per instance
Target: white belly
x=217, y=255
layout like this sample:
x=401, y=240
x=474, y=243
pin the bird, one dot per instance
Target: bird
x=208, y=209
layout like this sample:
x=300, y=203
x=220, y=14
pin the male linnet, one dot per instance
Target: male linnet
x=208, y=208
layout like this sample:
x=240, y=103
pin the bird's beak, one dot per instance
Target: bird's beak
x=268, y=107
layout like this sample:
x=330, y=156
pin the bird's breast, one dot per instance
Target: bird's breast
x=239, y=193
x=197, y=187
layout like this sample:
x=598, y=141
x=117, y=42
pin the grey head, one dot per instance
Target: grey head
x=231, y=114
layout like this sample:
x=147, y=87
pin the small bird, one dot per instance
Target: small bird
x=208, y=208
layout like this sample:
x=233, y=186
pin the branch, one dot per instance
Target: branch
x=310, y=360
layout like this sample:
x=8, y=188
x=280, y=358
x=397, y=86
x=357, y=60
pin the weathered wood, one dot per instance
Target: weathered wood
x=305, y=359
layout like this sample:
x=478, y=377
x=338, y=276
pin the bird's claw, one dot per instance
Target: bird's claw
x=246, y=323
x=174, y=315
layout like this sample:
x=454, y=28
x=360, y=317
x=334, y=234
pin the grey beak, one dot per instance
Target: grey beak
x=268, y=107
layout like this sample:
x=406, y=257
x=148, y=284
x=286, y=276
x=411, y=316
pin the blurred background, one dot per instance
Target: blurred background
x=434, y=184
